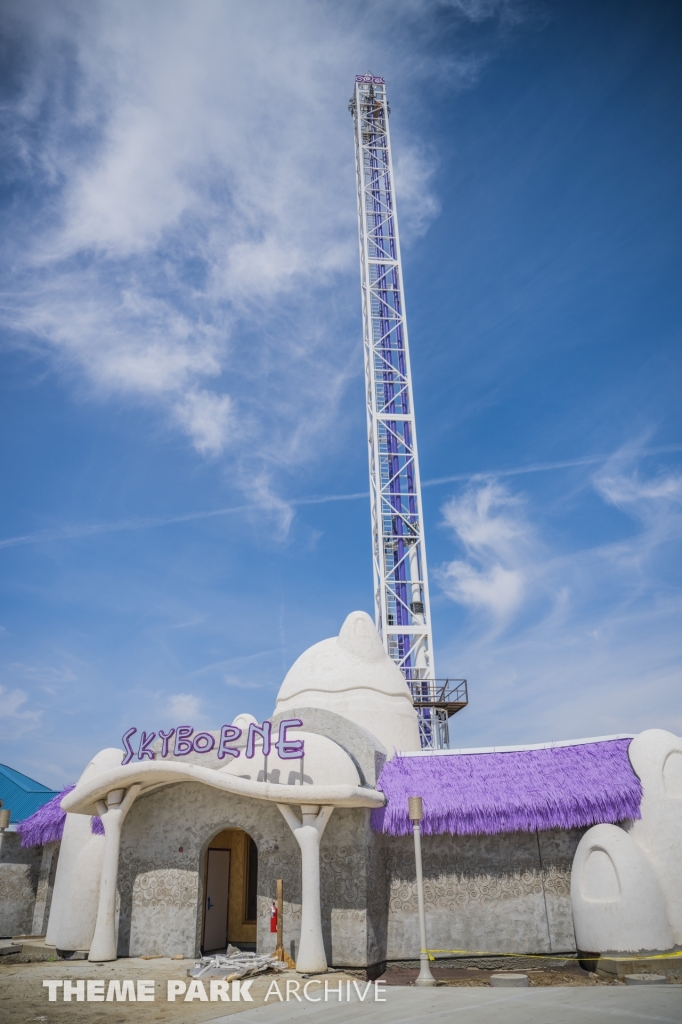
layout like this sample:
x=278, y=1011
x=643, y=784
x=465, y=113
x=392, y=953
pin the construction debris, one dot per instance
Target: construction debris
x=234, y=964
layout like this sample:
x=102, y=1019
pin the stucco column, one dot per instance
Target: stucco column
x=311, y=957
x=43, y=893
x=113, y=814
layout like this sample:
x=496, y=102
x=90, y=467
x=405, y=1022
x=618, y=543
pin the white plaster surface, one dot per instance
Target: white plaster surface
x=353, y=676
x=77, y=925
x=88, y=794
x=308, y=831
x=626, y=888
x=324, y=763
x=656, y=756
x=76, y=836
x=113, y=814
x=618, y=904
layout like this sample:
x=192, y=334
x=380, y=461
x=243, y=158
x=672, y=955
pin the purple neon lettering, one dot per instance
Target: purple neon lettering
x=164, y=737
x=207, y=743
x=183, y=745
x=144, y=750
x=263, y=731
x=228, y=733
x=125, y=739
x=289, y=750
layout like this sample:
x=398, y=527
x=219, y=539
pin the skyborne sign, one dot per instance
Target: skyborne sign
x=186, y=741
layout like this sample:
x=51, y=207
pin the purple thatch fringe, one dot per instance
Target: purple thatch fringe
x=46, y=825
x=515, y=791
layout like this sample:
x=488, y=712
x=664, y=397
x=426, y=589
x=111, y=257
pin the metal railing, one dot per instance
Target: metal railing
x=436, y=701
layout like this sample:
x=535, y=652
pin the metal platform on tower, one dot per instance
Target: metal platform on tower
x=437, y=700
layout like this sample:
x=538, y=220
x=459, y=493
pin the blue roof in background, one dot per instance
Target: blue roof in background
x=22, y=795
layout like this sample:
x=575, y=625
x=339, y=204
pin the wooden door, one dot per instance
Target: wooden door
x=217, y=895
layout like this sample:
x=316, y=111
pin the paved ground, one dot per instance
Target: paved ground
x=614, y=1004
x=576, y=998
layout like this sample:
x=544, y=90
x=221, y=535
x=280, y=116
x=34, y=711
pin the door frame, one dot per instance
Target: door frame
x=217, y=849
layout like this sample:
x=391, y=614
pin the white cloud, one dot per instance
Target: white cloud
x=207, y=419
x=489, y=523
x=591, y=634
x=185, y=706
x=15, y=719
x=191, y=238
x=655, y=500
x=48, y=675
x=497, y=589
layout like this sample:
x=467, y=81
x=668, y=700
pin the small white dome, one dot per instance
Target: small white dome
x=244, y=720
x=351, y=675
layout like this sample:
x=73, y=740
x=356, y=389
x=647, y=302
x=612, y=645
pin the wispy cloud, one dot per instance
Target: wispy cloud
x=185, y=706
x=546, y=467
x=183, y=232
x=490, y=524
x=15, y=717
x=77, y=531
x=572, y=627
x=655, y=500
x=266, y=499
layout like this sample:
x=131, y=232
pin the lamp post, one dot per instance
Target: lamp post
x=416, y=813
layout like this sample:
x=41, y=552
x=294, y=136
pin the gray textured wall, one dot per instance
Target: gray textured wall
x=19, y=871
x=161, y=889
x=506, y=893
x=45, y=887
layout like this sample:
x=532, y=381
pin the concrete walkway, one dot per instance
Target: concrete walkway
x=616, y=1004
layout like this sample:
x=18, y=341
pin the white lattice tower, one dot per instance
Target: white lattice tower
x=401, y=588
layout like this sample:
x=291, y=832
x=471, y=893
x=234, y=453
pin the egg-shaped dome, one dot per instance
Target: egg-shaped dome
x=351, y=675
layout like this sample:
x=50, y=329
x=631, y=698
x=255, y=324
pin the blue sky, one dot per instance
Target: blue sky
x=183, y=458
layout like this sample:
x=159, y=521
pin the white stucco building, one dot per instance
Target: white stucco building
x=174, y=843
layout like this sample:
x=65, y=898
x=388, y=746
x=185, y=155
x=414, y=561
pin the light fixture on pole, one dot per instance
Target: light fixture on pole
x=416, y=813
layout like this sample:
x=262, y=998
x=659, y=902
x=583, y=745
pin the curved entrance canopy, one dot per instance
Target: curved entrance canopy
x=84, y=799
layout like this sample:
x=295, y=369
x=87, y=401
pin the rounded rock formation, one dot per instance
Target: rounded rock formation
x=351, y=675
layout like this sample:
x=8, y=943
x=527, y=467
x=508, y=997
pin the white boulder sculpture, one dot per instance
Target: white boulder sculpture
x=351, y=675
x=626, y=881
x=656, y=756
x=617, y=902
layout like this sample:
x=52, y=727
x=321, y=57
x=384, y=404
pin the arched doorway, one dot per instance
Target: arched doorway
x=230, y=892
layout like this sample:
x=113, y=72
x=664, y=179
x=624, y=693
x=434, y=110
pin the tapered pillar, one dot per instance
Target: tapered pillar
x=311, y=957
x=113, y=814
x=416, y=813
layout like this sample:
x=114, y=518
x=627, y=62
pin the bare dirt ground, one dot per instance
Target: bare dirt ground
x=23, y=998
x=472, y=977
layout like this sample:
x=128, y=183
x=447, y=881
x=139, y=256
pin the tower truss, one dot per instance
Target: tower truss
x=401, y=586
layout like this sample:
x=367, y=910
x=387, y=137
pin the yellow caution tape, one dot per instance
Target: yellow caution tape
x=546, y=956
